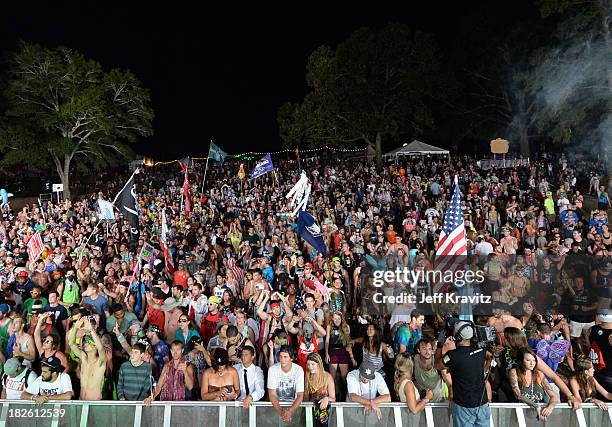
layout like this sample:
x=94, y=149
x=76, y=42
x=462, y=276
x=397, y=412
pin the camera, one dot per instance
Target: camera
x=484, y=336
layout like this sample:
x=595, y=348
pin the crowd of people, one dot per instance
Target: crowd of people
x=239, y=308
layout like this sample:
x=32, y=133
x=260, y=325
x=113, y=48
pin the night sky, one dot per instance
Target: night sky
x=220, y=74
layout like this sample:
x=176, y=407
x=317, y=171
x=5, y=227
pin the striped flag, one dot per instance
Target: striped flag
x=186, y=193
x=163, y=240
x=451, y=253
x=238, y=272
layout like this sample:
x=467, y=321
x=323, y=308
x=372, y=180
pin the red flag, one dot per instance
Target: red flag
x=186, y=194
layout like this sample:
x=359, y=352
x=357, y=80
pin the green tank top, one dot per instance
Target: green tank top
x=71, y=294
x=4, y=335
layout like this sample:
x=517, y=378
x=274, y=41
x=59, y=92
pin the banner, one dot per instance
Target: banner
x=147, y=253
x=186, y=193
x=35, y=247
x=215, y=153
x=164, y=244
x=262, y=167
x=106, y=210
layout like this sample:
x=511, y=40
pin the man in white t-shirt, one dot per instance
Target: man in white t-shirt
x=483, y=248
x=53, y=384
x=368, y=387
x=285, y=384
x=15, y=379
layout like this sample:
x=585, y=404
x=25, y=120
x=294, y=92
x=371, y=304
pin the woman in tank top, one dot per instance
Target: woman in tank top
x=373, y=348
x=530, y=385
x=319, y=389
x=405, y=389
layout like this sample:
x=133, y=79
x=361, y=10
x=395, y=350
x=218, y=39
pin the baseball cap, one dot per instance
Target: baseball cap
x=466, y=333
x=605, y=315
x=155, y=328
x=220, y=357
x=367, y=370
x=54, y=363
x=11, y=366
x=23, y=273
x=4, y=308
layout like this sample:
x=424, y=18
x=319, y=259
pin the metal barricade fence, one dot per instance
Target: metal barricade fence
x=262, y=414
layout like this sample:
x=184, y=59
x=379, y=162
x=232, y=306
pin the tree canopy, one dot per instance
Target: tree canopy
x=376, y=84
x=64, y=108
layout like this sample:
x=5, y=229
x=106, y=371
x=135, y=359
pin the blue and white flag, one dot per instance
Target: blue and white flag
x=262, y=167
x=215, y=153
x=309, y=230
x=106, y=210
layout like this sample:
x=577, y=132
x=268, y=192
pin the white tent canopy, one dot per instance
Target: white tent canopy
x=416, y=148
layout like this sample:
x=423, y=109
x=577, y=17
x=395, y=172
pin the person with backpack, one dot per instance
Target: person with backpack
x=16, y=379
x=408, y=334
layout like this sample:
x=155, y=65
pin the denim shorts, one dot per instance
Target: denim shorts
x=479, y=416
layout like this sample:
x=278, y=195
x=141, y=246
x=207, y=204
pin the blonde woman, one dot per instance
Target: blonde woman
x=319, y=388
x=405, y=389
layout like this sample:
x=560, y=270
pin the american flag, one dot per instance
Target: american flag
x=452, y=246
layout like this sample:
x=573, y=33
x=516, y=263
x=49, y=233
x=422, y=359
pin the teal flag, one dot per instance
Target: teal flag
x=216, y=153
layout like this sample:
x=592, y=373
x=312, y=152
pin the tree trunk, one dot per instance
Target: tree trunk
x=63, y=171
x=524, y=142
x=379, y=162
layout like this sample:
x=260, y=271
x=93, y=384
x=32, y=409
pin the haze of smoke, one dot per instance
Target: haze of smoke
x=567, y=75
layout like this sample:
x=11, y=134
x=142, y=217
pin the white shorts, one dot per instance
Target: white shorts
x=577, y=328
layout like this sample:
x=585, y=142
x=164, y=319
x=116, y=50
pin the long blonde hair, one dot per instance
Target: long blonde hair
x=403, y=367
x=321, y=383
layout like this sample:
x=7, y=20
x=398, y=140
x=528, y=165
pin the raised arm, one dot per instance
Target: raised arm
x=72, y=338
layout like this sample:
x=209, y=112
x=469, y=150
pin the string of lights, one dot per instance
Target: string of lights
x=147, y=161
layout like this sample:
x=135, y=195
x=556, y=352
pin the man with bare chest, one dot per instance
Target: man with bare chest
x=519, y=285
x=40, y=277
x=501, y=320
x=93, y=360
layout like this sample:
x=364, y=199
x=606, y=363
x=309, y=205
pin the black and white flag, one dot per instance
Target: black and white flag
x=126, y=201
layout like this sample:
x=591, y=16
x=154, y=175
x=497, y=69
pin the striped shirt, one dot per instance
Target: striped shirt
x=134, y=382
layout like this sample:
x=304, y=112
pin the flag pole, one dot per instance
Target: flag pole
x=204, y=179
x=126, y=183
x=87, y=241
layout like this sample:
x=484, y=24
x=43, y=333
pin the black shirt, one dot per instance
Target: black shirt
x=580, y=298
x=602, y=337
x=466, y=367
